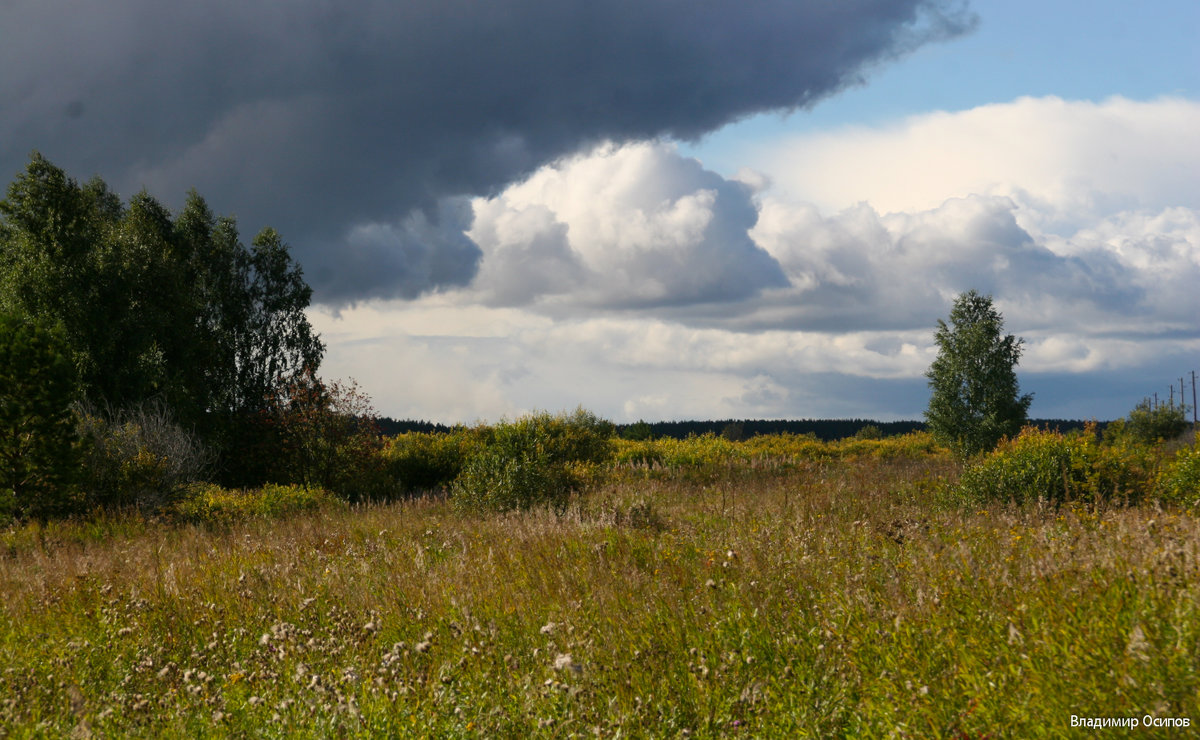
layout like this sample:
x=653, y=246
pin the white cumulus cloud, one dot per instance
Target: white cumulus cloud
x=621, y=227
x=635, y=281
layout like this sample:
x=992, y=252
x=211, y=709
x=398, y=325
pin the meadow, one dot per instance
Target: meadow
x=777, y=587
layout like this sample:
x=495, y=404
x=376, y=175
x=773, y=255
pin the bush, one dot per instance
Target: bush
x=332, y=440
x=497, y=481
x=1180, y=481
x=579, y=436
x=211, y=504
x=534, y=461
x=1150, y=424
x=870, y=431
x=138, y=458
x=317, y=434
x=1047, y=465
x=418, y=462
x=640, y=452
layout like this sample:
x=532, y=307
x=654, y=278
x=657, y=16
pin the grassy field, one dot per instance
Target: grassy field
x=826, y=598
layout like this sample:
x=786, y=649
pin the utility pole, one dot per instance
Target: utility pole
x=1193, y=400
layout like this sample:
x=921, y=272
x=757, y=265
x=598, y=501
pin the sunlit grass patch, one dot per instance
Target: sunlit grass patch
x=835, y=598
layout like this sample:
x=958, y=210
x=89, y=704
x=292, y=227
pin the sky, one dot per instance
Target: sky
x=669, y=209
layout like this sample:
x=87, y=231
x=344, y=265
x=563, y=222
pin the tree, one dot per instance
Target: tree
x=1149, y=423
x=975, y=399
x=330, y=439
x=155, y=308
x=38, y=451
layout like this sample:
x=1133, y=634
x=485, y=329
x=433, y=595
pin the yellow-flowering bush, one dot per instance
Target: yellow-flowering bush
x=1040, y=464
x=704, y=451
x=212, y=504
x=1180, y=480
x=710, y=451
x=420, y=461
x=641, y=452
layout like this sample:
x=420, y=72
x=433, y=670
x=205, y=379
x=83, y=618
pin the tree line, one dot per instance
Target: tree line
x=144, y=306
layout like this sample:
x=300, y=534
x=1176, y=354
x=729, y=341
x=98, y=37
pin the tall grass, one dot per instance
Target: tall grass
x=825, y=598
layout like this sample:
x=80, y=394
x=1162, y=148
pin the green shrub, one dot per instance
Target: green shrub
x=211, y=504
x=579, y=436
x=536, y=460
x=419, y=462
x=1150, y=424
x=498, y=481
x=1180, y=480
x=1047, y=465
x=870, y=431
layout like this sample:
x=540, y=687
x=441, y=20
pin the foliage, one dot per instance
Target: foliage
x=533, y=461
x=329, y=439
x=578, y=436
x=498, y=480
x=975, y=399
x=711, y=453
x=734, y=431
x=38, y=450
x=153, y=306
x=1040, y=464
x=211, y=504
x=1180, y=480
x=638, y=431
x=870, y=431
x=138, y=458
x=1149, y=423
x=645, y=452
x=422, y=462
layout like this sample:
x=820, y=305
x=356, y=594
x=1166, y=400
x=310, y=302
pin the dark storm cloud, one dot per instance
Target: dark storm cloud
x=320, y=117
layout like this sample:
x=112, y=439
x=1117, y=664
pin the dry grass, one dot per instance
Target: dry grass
x=824, y=599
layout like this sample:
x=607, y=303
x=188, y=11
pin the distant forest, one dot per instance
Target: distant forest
x=824, y=429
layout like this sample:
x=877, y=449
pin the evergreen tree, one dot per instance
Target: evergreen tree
x=975, y=399
x=38, y=451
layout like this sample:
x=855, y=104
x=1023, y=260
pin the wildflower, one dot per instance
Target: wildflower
x=1137, y=644
x=564, y=662
x=1014, y=635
